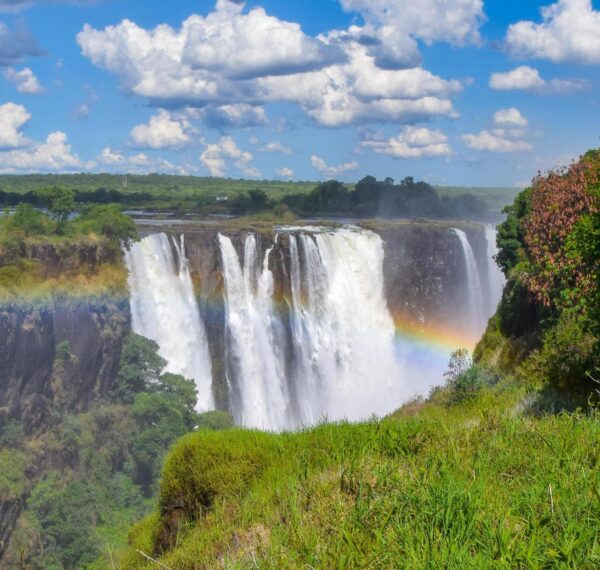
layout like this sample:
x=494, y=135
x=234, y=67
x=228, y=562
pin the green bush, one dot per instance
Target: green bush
x=569, y=354
x=214, y=421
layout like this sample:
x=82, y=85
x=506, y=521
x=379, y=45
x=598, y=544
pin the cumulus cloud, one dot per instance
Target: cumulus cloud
x=455, y=22
x=568, y=32
x=332, y=171
x=16, y=44
x=162, y=131
x=230, y=69
x=52, y=155
x=275, y=146
x=245, y=45
x=115, y=160
x=285, y=172
x=510, y=118
x=528, y=79
x=217, y=157
x=12, y=119
x=412, y=142
x=507, y=136
x=24, y=80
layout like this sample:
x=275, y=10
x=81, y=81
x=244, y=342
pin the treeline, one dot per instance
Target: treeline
x=374, y=198
x=368, y=198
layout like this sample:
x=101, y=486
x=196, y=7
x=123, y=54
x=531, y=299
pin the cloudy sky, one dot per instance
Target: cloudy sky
x=466, y=92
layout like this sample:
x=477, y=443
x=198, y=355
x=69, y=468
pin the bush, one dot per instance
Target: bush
x=469, y=384
x=214, y=421
x=107, y=220
x=569, y=354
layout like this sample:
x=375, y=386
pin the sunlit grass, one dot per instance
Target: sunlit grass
x=478, y=485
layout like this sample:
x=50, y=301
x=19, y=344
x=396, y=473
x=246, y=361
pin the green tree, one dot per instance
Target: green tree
x=140, y=367
x=60, y=203
x=28, y=221
x=107, y=220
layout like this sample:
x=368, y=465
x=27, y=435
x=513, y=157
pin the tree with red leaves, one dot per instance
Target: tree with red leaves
x=557, y=276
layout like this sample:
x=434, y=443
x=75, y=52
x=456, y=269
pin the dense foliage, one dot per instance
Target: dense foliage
x=550, y=251
x=104, y=464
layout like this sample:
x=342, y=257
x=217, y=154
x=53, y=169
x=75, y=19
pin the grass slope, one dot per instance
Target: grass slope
x=483, y=484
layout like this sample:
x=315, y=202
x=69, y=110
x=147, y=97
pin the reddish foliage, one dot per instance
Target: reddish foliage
x=558, y=201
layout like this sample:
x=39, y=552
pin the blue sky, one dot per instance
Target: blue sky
x=461, y=92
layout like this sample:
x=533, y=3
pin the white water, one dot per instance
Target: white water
x=477, y=312
x=337, y=358
x=344, y=366
x=256, y=364
x=496, y=279
x=164, y=309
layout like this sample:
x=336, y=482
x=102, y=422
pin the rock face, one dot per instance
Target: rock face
x=58, y=357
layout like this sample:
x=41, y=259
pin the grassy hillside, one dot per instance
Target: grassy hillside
x=486, y=483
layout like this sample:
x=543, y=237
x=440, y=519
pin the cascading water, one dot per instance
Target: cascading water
x=343, y=363
x=256, y=369
x=164, y=309
x=327, y=348
x=496, y=278
x=477, y=316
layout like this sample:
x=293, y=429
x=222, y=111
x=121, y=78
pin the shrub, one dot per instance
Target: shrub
x=214, y=421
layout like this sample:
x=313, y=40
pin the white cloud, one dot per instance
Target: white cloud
x=111, y=157
x=53, y=155
x=456, y=22
x=285, y=172
x=162, y=131
x=412, y=142
x=528, y=79
x=492, y=142
x=217, y=157
x=12, y=118
x=254, y=44
x=507, y=135
x=332, y=171
x=275, y=146
x=236, y=75
x=510, y=118
x=25, y=80
x=569, y=31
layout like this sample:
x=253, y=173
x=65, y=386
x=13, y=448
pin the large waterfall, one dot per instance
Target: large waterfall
x=164, y=309
x=301, y=326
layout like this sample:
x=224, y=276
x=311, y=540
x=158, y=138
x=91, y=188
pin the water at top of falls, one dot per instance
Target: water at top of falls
x=164, y=309
x=496, y=279
x=477, y=310
x=257, y=367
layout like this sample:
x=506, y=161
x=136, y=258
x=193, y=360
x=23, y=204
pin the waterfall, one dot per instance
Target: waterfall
x=477, y=317
x=164, y=309
x=343, y=363
x=496, y=279
x=256, y=369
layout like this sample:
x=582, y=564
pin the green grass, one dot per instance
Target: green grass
x=479, y=485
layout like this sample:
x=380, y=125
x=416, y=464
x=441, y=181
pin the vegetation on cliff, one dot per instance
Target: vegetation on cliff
x=55, y=252
x=547, y=328
x=99, y=469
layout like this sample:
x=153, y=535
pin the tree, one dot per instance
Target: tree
x=107, y=220
x=28, y=221
x=558, y=202
x=60, y=203
x=140, y=367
